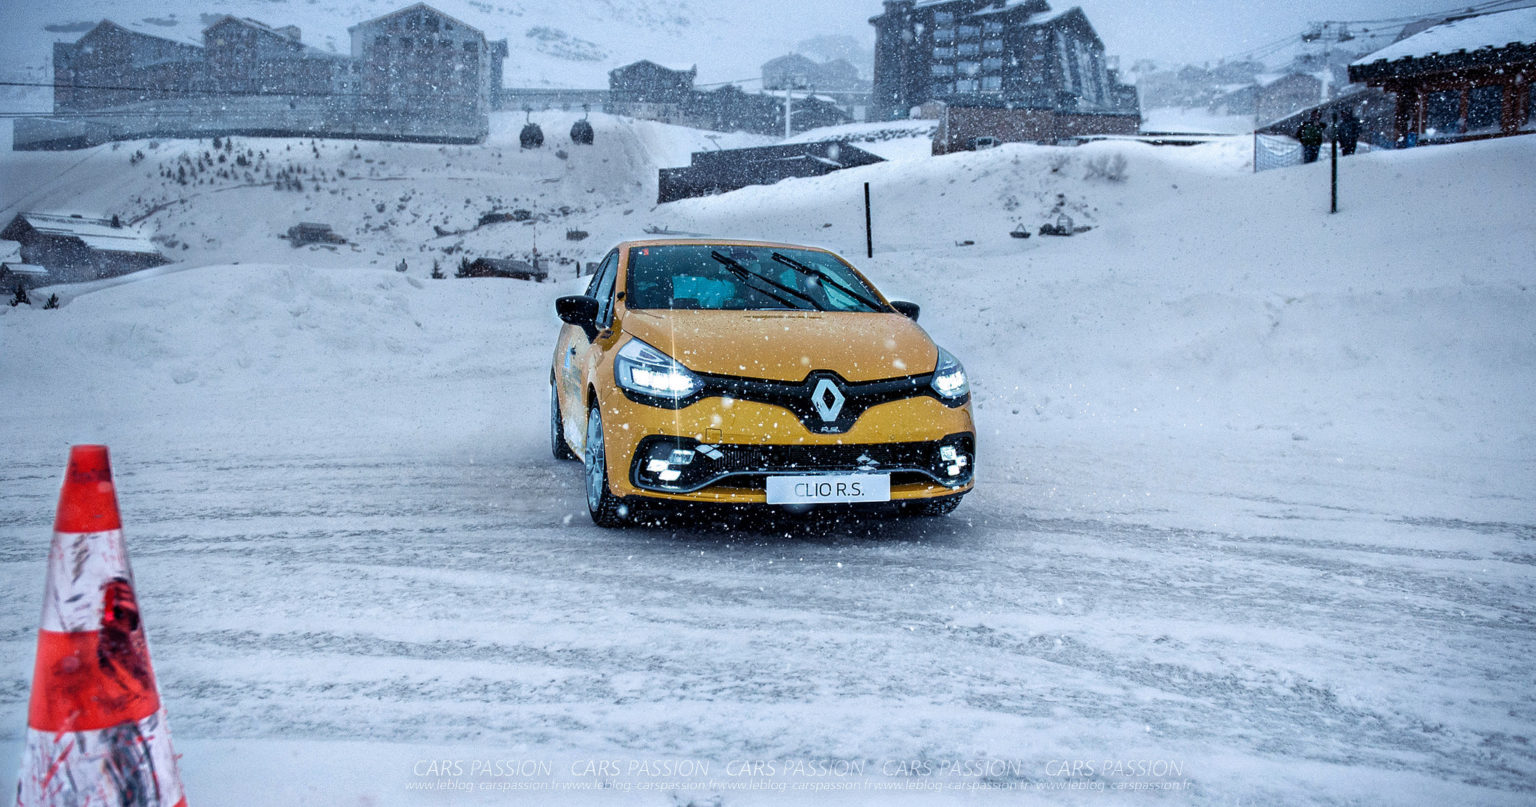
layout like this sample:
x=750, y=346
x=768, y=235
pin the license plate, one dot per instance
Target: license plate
x=829, y=488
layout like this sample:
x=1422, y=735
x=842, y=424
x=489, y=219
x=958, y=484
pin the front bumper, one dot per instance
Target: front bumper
x=733, y=445
x=666, y=464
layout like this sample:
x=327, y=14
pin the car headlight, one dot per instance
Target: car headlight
x=949, y=377
x=638, y=367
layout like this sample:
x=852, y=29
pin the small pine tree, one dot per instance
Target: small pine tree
x=437, y=270
x=463, y=267
x=53, y=302
x=21, y=297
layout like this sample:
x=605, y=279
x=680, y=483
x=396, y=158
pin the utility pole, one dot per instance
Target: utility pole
x=789, y=100
x=1329, y=34
x=792, y=83
x=1333, y=203
x=869, y=234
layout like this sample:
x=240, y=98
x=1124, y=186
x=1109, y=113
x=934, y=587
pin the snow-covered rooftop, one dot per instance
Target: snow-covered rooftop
x=1039, y=18
x=1463, y=35
x=145, y=28
x=97, y=234
x=289, y=32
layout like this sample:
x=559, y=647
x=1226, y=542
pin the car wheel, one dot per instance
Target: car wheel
x=606, y=509
x=930, y=508
x=557, y=444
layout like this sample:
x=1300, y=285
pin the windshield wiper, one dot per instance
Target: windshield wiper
x=826, y=278
x=744, y=273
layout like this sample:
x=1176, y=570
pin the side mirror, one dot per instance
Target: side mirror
x=579, y=310
x=906, y=309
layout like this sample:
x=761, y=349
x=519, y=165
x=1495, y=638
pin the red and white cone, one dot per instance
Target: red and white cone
x=96, y=733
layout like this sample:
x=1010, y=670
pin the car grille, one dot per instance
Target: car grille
x=684, y=465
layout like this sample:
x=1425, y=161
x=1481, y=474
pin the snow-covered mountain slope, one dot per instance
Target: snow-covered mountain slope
x=393, y=201
x=567, y=44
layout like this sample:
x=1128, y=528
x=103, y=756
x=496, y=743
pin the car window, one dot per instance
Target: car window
x=690, y=277
x=597, y=274
x=602, y=289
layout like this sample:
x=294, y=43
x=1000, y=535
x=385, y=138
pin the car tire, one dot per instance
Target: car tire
x=557, y=445
x=932, y=508
x=606, y=509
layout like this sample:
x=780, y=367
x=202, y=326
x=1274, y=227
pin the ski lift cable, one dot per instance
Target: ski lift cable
x=184, y=92
x=1476, y=8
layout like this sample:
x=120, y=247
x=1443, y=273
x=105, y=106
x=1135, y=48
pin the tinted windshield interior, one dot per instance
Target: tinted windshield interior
x=690, y=277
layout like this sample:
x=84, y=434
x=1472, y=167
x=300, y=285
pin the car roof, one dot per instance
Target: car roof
x=723, y=242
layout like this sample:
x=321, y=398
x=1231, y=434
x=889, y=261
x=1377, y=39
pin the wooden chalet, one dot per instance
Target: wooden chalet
x=1467, y=78
x=74, y=248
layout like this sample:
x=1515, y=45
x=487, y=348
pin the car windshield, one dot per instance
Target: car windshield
x=717, y=277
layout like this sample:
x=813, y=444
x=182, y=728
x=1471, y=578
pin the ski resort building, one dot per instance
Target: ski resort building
x=837, y=81
x=1466, y=78
x=74, y=248
x=997, y=54
x=245, y=58
x=414, y=74
x=111, y=66
x=647, y=90
x=419, y=62
x=799, y=73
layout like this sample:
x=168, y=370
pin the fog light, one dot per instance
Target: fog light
x=681, y=456
x=657, y=466
x=953, y=459
x=669, y=475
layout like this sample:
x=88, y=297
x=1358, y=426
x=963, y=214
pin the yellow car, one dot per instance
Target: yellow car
x=747, y=372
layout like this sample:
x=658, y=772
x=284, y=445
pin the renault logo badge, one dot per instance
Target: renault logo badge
x=827, y=399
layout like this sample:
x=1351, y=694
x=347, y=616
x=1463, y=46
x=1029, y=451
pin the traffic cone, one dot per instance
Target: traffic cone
x=96, y=732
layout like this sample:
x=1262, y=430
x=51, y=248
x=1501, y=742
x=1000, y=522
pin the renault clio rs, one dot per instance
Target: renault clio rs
x=753, y=373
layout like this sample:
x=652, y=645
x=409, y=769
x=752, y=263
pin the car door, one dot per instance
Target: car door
x=580, y=355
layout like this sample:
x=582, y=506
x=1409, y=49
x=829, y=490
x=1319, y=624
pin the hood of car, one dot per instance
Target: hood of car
x=788, y=345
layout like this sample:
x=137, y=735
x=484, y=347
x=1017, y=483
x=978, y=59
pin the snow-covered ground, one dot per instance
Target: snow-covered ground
x=1254, y=518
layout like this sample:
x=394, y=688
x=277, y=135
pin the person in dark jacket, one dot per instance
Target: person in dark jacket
x=1311, y=136
x=1349, y=132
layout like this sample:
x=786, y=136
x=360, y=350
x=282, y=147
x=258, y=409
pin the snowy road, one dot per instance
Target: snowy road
x=388, y=599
